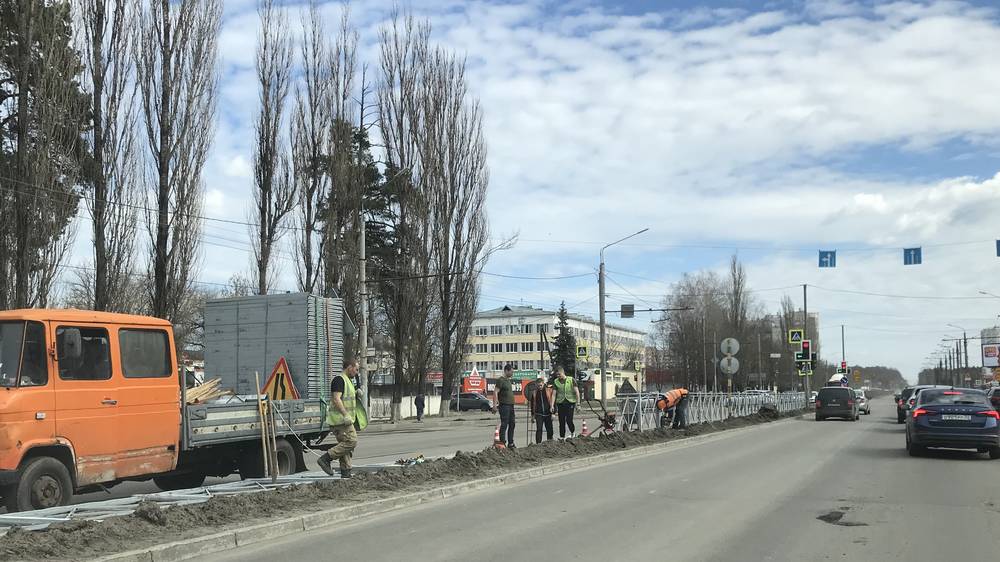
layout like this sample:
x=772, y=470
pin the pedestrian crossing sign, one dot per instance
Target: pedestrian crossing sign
x=581, y=351
x=279, y=385
x=795, y=336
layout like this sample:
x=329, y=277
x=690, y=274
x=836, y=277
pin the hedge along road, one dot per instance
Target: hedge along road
x=798, y=490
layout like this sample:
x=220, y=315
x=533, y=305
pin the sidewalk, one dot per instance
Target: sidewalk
x=436, y=422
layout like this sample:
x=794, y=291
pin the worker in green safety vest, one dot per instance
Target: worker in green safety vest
x=564, y=401
x=345, y=416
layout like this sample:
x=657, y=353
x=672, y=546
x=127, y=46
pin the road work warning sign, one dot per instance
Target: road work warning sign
x=279, y=385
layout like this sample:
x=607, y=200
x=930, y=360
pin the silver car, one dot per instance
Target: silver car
x=864, y=406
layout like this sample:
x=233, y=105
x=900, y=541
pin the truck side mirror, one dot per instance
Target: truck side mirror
x=71, y=344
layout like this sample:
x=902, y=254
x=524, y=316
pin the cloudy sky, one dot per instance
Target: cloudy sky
x=770, y=129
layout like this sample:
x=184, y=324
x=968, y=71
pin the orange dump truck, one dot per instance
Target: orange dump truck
x=91, y=399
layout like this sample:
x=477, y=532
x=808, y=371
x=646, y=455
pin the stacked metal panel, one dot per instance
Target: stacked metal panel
x=245, y=336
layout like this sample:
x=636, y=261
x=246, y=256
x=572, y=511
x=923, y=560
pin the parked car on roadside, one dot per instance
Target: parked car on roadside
x=472, y=401
x=837, y=402
x=955, y=418
x=864, y=406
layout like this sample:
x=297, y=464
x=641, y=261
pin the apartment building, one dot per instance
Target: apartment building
x=519, y=335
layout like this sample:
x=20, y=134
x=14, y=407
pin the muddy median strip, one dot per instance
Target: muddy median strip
x=88, y=539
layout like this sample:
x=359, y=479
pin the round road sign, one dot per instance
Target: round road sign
x=729, y=365
x=730, y=346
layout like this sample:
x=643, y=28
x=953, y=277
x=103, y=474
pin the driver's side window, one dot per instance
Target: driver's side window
x=94, y=362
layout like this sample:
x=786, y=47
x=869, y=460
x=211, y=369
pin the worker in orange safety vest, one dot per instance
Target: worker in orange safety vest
x=676, y=400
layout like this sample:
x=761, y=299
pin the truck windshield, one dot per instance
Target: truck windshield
x=11, y=338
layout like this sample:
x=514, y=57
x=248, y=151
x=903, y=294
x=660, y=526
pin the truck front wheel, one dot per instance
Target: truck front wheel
x=44, y=483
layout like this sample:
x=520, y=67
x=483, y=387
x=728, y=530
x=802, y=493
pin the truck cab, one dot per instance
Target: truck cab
x=86, y=398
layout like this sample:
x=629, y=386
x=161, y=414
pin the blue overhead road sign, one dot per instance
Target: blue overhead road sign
x=998, y=248
x=911, y=256
x=828, y=258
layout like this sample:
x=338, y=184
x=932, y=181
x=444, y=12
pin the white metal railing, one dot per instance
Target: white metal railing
x=714, y=406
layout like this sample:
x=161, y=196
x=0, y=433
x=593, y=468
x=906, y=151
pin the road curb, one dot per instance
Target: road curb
x=189, y=548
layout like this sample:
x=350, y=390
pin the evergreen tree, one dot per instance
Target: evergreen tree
x=565, y=344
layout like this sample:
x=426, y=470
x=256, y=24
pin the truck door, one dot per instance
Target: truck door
x=27, y=403
x=148, y=425
x=87, y=399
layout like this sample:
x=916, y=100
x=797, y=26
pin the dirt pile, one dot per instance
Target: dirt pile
x=151, y=525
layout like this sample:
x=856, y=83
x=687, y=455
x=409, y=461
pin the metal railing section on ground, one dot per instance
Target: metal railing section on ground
x=100, y=510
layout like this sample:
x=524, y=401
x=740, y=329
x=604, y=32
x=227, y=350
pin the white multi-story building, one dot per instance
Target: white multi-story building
x=518, y=335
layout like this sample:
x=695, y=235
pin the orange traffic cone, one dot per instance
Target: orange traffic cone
x=584, y=428
x=497, y=442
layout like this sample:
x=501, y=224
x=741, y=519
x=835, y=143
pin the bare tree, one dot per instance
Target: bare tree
x=452, y=150
x=274, y=191
x=108, y=37
x=310, y=128
x=404, y=285
x=342, y=203
x=176, y=71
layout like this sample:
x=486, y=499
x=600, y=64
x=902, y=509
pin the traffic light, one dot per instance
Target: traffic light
x=807, y=350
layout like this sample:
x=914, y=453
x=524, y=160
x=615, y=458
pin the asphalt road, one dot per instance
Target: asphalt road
x=760, y=494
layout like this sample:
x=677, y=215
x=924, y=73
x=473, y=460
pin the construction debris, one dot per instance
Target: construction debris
x=206, y=392
x=419, y=459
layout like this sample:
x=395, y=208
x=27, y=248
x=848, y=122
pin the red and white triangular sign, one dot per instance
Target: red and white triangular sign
x=279, y=385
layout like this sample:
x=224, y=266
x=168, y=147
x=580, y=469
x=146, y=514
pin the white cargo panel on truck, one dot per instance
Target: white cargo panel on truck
x=245, y=336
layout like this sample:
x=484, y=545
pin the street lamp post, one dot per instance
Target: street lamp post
x=600, y=289
x=965, y=343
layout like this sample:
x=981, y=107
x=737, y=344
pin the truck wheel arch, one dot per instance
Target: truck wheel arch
x=62, y=452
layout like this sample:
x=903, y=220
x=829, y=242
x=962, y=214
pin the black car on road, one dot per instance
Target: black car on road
x=907, y=398
x=954, y=418
x=472, y=401
x=837, y=402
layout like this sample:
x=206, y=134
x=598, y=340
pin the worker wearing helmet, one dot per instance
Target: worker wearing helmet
x=676, y=400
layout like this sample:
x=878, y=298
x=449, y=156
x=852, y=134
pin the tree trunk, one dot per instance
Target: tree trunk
x=160, y=296
x=101, y=296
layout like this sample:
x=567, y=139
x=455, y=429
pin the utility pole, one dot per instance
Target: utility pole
x=715, y=362
x=604, y=339
x=363, y=324
x=758, y=359
x=843, y=352
x=704, y=354
x=805, y=332
x=604, y=344
x=965, y=344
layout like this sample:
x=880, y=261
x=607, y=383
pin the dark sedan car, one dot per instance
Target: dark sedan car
x=904, y=404
x=472, y=401
x=955, y=418
x=837, y=402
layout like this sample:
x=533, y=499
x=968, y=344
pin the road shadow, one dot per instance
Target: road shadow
x=955, y=455
x=901, y=429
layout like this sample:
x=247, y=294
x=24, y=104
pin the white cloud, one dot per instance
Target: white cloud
x=710, y=127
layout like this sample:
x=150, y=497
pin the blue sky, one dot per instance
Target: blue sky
x=770, y=128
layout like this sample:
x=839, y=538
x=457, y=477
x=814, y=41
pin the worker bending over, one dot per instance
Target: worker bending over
x=675, y=400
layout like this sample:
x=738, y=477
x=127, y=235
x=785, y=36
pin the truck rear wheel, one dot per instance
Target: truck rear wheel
x=179, y=481
x=44, y=483
x=252, y=463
